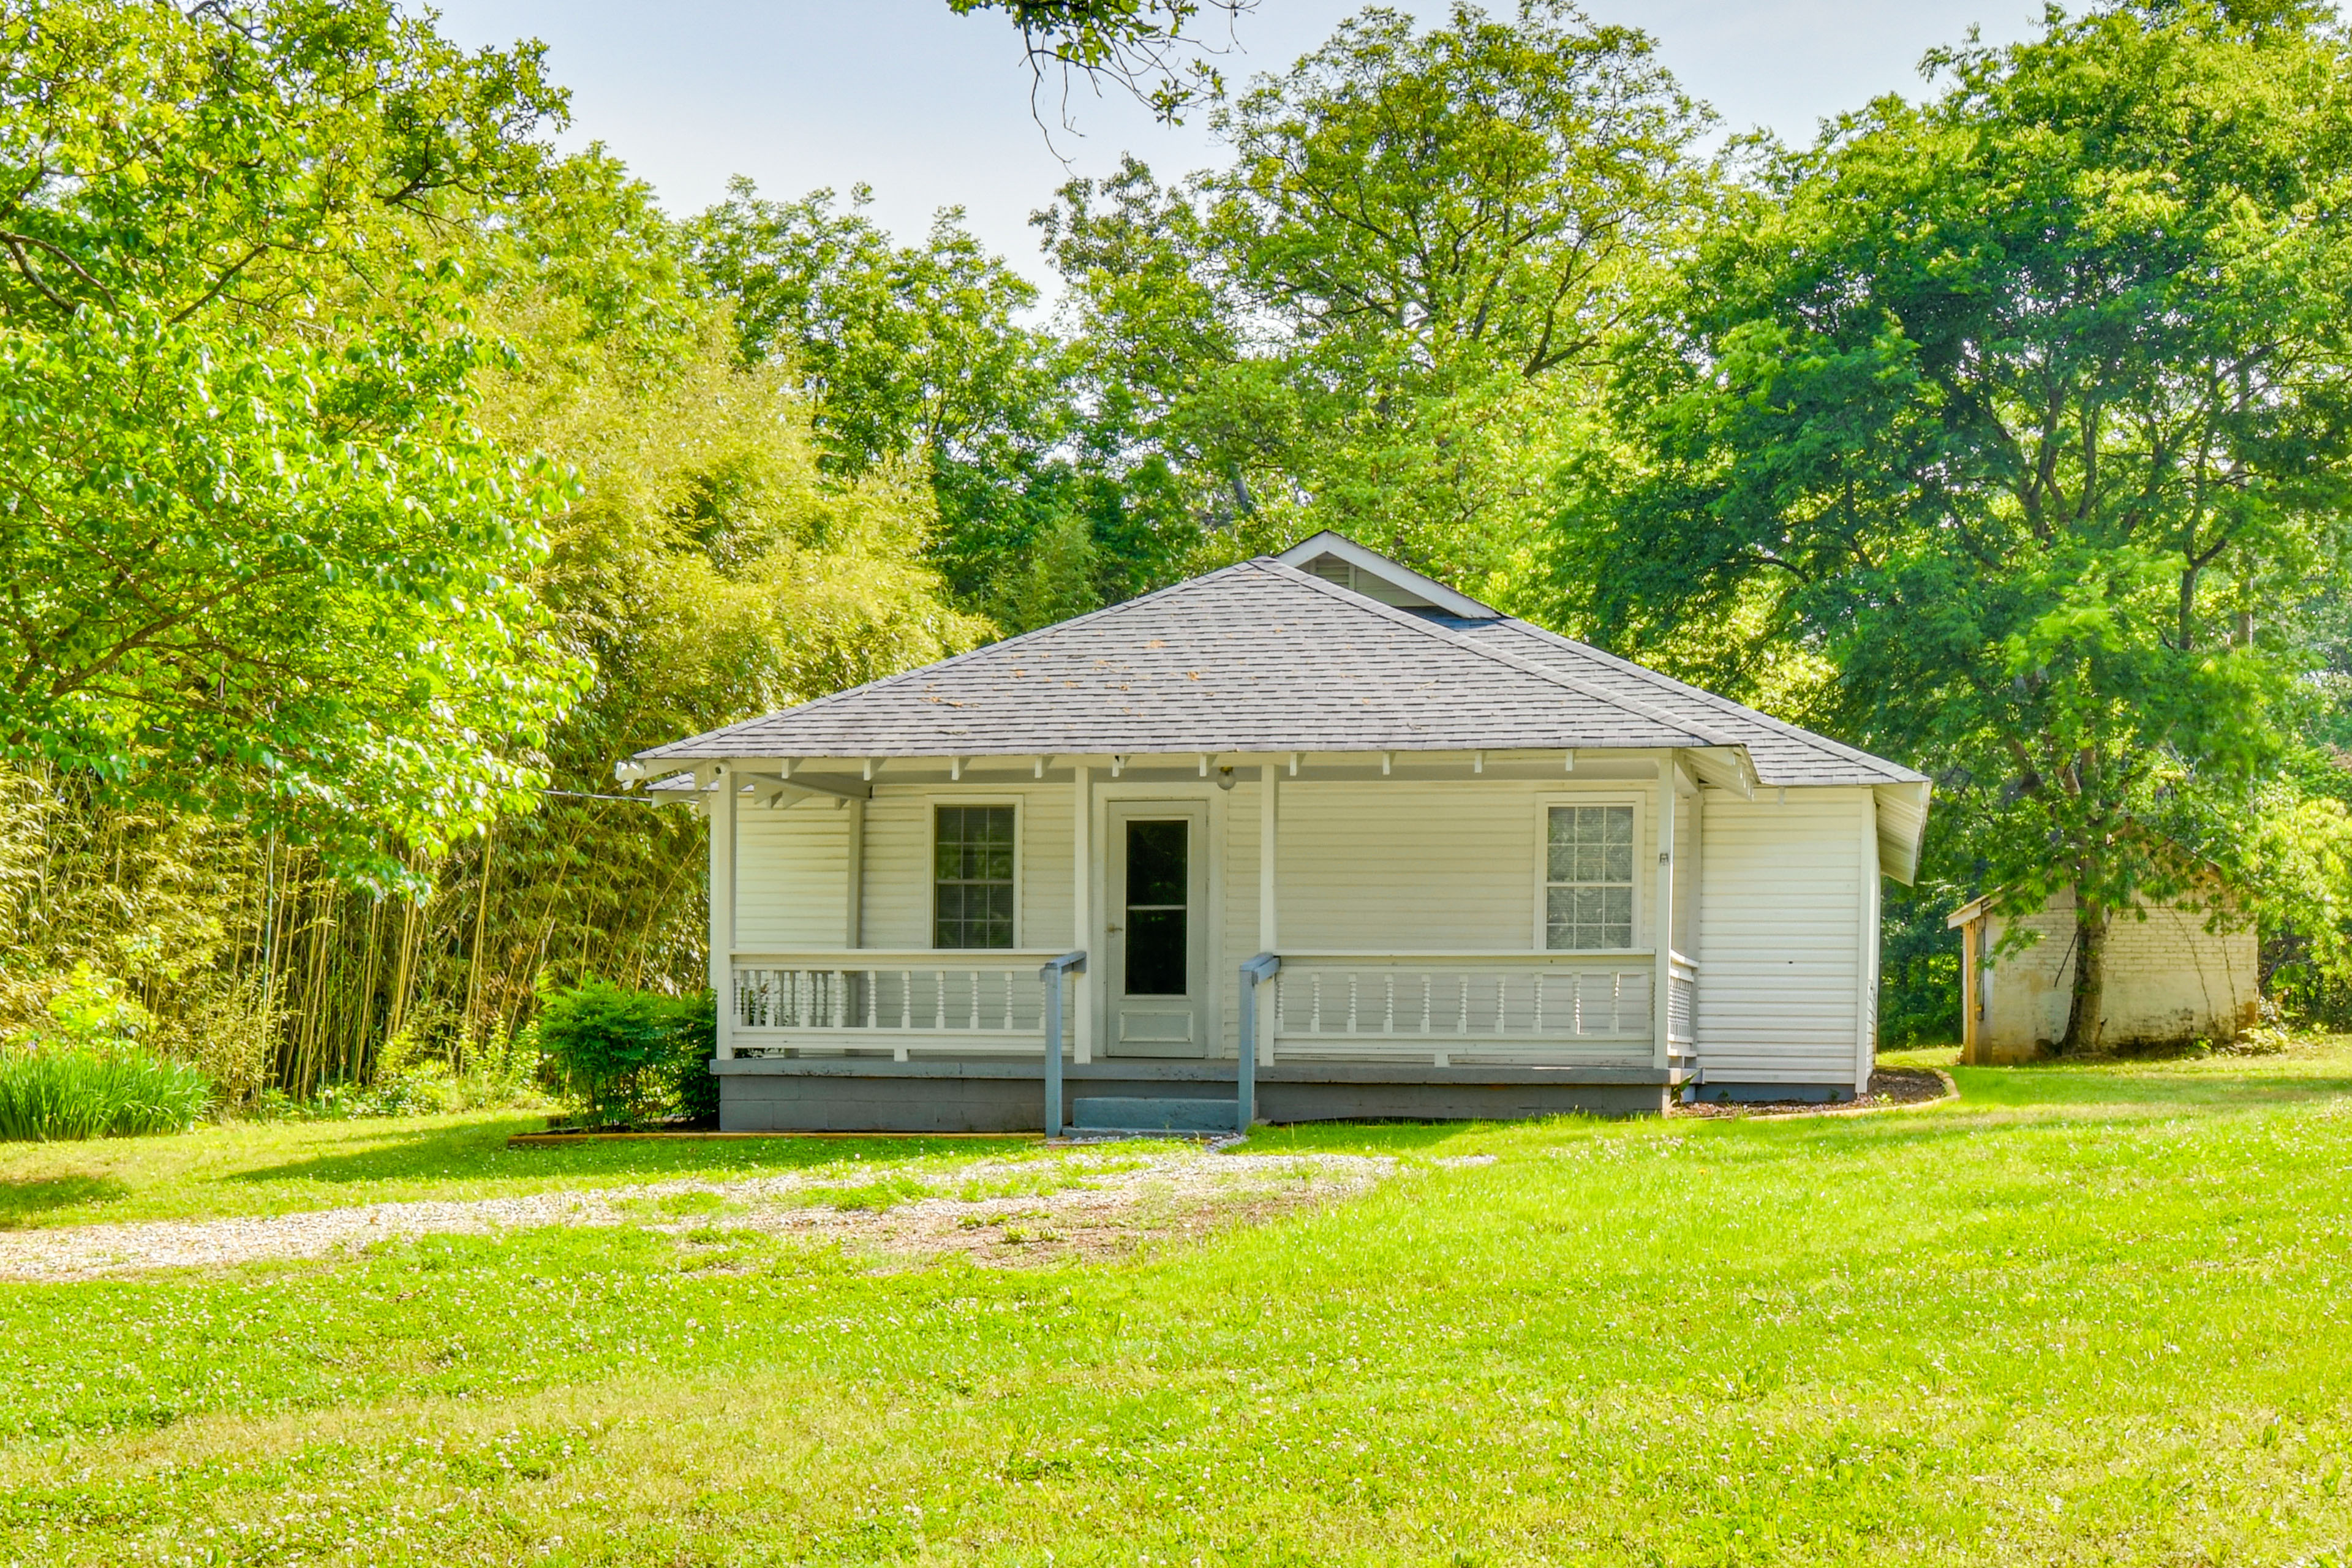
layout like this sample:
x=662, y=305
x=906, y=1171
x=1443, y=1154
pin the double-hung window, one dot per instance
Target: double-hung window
x=1589, y=877
x=971, y=877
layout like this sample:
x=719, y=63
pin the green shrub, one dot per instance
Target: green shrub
x=82, y=1074
x=629, y=1057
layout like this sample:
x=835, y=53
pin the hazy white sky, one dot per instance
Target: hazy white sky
x=932, y=110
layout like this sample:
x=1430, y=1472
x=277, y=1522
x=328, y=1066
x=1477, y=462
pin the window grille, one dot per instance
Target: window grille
x=1589, y=877
x=972, y=876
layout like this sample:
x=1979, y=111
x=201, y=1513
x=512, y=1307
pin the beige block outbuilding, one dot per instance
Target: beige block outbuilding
x=2169, y=980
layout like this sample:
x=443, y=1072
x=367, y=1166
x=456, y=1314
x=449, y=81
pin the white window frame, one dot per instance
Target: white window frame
x=932, y=803
x=1545, y=803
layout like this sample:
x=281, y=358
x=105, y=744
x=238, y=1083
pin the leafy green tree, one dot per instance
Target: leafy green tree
x=2028, y=408
x=918, y=354
x=713, y=562
x=1375, y=315
x=257, y=558
x=699, y=562
x=906, y=349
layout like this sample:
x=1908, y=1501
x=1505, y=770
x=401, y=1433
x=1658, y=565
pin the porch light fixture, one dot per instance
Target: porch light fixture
x=1225, y=778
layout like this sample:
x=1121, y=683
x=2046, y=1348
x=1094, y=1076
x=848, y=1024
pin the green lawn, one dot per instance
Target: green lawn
x=2087, y=1314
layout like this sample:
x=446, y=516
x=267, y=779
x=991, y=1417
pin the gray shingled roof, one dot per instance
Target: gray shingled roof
x=1782, y=754
x=1261, y=657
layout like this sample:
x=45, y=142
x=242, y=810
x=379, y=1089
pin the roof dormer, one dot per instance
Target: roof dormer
x=1341, y=562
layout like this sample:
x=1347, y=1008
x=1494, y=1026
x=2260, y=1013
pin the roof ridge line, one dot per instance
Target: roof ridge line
x=879, y=682
x=1525, y=666
x=1717, y=698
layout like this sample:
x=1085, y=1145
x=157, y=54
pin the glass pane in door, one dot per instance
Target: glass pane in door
x=1158, y=883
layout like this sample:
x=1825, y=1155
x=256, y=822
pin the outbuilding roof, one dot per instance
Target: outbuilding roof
x=1263, y=657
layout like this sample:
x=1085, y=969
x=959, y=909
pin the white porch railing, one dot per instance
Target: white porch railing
x=868, y=999
x=1462, y=1008
x=1682, y=1004
x=1444, y=1009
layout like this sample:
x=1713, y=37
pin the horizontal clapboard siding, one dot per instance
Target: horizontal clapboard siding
x=897, y=871
x=1364, y=866
x=1424, y=867
x=897, y=885
x=792, y=870
x=1780, y=952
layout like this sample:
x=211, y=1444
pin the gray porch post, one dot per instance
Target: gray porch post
x=1255, y=973
x=1050, y=976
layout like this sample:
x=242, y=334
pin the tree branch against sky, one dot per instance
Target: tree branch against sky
x=1153, y=50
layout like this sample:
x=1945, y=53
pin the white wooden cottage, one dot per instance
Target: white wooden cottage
x=1426, y=859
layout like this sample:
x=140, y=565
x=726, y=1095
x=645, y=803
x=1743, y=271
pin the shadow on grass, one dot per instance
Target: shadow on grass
x=440, y=1155
x=20, y=1201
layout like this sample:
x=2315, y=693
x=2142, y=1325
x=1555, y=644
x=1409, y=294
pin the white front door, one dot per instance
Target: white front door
x=1157, y=928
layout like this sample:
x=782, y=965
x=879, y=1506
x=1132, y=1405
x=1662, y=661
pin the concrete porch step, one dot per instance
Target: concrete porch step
x=1107, y=1115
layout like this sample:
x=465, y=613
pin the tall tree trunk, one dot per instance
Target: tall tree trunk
x=2082, y=1014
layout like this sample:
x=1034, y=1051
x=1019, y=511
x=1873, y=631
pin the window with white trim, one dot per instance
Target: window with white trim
x=971, y=877
x=1589, y=877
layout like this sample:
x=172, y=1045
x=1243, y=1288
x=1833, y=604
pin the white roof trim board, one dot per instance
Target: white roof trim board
x=1262, y=657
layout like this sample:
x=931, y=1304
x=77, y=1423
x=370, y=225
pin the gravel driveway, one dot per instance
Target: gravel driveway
x=1116, y=1203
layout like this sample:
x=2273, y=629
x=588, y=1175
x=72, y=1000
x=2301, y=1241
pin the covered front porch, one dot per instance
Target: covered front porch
x=1432, y=976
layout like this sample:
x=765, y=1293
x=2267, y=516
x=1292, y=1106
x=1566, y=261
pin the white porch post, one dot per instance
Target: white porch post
x=1662, y=915
x=853, y=918
x=1082, y=1027
x=1268, y=938
x=722, y=906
